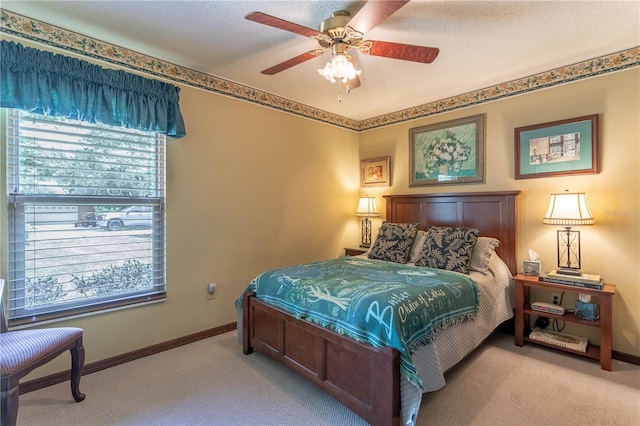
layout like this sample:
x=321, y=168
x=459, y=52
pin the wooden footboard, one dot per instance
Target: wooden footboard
x=363, y=378
x=366, y=379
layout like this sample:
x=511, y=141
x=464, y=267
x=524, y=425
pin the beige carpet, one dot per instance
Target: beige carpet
x=211, y=382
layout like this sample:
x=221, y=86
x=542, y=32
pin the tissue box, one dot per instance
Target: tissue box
x=587, y=311
x=532, y=268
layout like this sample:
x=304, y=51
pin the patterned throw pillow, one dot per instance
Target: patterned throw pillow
x=485, y=247
x=394, y=242
x=449, y=248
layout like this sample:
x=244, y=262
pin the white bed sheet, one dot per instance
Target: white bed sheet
x=451, y=345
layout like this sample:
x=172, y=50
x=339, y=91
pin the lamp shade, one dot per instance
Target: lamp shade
x=568, y=209
x=367, y=207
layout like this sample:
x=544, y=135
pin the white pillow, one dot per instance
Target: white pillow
x=485, y=247
x=416, y=250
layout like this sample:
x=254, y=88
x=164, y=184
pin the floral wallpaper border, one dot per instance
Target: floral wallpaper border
x=22, y=26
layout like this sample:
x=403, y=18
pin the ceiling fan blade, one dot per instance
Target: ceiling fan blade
x=272, y=21
x=354, y=83
x=406, y=52
x=373, y=13
x=292, y=62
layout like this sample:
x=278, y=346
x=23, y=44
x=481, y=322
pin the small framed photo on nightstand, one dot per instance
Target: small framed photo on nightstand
x=532, y=268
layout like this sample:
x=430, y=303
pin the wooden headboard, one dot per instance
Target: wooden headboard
x=494, y=213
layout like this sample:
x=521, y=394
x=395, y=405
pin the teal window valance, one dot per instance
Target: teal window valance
x=52, y=84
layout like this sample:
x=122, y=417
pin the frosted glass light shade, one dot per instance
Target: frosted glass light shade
x=339, y=68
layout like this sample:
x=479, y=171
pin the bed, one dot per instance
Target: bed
x=367, y=378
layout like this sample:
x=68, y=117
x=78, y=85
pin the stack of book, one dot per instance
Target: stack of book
x=563, y=340
x=585, y=280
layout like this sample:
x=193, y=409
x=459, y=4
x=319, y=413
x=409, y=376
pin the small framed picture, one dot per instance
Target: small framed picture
x=532, y=268
x=560, y=148
x=375, y=172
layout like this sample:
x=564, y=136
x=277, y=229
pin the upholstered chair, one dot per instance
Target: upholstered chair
x=22, y=351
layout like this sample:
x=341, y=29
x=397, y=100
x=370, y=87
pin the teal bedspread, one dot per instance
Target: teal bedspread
x=376, y=302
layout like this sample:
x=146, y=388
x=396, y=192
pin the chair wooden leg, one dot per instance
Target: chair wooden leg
x=9, y=405
x=77, y=363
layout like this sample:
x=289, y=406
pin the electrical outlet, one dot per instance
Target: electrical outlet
x=555, y=298
x=211, y=291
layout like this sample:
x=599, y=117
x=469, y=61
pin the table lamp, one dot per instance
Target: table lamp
x=568, y=209
x=366, y=208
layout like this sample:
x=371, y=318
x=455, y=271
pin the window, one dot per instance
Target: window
x=86, y=217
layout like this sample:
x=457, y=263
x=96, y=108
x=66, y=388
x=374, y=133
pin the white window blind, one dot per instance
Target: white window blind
x=86, y=217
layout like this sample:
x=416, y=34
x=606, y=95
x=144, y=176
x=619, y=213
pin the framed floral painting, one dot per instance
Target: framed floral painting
x=451, y=152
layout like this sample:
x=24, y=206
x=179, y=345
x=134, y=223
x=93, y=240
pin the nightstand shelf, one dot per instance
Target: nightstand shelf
x=593, y=351
x=604, y=324
x=568, y=316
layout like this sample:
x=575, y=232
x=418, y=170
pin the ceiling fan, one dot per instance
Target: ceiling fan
x=340, y=33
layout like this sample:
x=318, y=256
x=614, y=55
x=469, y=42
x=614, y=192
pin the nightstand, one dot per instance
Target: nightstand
x=524, y=310
x=354, y=251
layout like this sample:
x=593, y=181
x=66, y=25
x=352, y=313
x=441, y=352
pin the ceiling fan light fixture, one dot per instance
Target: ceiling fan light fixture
x=342, y=32
x=339, y=68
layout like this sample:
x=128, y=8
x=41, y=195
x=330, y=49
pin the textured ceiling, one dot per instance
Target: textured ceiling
x=482, y=43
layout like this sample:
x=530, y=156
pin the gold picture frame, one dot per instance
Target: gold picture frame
x=447, y=153
x=375, y=172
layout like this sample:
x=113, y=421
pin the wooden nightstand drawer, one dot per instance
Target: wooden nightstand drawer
x=354, y=251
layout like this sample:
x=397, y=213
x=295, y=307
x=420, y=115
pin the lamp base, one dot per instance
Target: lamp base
x=569, y=271
x=365, y=242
